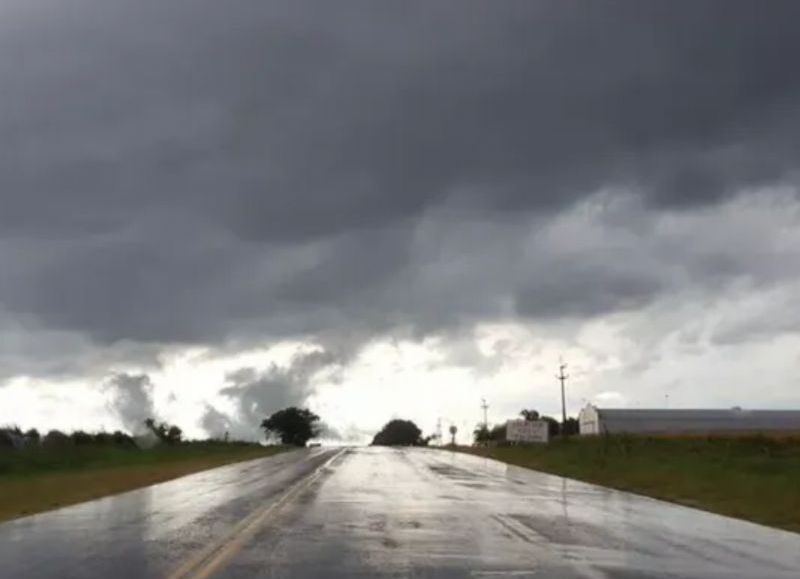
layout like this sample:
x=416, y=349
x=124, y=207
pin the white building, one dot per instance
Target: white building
x=595, y=420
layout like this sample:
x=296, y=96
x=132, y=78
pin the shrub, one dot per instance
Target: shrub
x=56, y=439
x=81, y=438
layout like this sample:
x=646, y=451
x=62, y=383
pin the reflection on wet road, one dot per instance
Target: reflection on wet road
x=372, y=512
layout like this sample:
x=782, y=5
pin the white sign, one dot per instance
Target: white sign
x=527, y=431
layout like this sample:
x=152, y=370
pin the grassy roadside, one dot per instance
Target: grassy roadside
x=35, y=480
x=755, y=478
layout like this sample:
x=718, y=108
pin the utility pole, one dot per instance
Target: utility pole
x=439, y=430
x=563, y=378
x=485, y=408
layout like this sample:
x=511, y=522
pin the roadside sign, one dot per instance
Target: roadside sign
x=527, y=431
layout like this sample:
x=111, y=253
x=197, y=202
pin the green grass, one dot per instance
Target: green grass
x=39, y=479
x=755, y=477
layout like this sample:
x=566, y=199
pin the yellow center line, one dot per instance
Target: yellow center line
x=213, y=557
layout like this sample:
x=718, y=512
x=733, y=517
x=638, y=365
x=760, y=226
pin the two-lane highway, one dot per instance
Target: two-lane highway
x=377, y=512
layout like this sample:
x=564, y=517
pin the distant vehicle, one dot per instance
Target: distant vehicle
x=314, y=444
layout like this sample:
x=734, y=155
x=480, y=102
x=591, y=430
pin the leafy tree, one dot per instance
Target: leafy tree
x=32, y=436
x=398, y=433
x=481, y=434
x=167, y=433
x=295, y=426
x=11, y=437
x=571, y=426
x=56, y=439
x=174, y=435
x=495, y=434
x=453, y=430
x=6, y=438
x=553, y=425
x=116, y=438
x=122, y=439
x=81, y=438
x=498, y=433
x=152, y=426
x=529, y=415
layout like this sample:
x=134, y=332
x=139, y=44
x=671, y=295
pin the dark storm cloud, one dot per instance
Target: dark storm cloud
x=565, y=293
x=194, y=171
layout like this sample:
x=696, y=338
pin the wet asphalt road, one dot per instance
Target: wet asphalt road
x=371, y=512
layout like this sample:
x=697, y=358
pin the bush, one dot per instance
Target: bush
x=11, y=437
x=81, y=438
x=169, y=434
x=121, y=439
x=6, y=439
x=56, y=439
x=32, y=436
x=398, y=433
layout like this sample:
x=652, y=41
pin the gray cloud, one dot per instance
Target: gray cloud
x=189, y=173
x=217, y=424
x=257, y=394
x=132, y=399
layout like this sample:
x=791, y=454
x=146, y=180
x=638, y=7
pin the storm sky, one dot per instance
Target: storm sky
x=210, y=210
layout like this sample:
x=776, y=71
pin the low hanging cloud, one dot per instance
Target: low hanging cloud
x=132, y=400
x=259, y=393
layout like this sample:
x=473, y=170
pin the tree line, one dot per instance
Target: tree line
x=291, y=426
x=13, y=437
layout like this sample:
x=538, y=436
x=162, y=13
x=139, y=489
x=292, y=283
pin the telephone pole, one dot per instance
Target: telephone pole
x=563, y=378
x=485, y=415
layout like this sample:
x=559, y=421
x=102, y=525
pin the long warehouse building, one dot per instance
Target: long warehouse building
x=595, y=420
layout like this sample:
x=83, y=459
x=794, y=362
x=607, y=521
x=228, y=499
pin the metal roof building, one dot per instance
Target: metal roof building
x=595, y=420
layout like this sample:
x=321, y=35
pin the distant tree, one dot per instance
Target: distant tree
x=6, y=438
x=56, y=439
x=11, y=437
x=571, y=426
x=152, y=426
x=174, y=435
x=295, y=426
x=169, y=434
x=481, y=434
x=32, y=436
x=398, y=433
x=553, y=425
x=498, y=433
x=81, y=438
x=103, y=438
x=453, y=430
x=529, y=415
x=120, y=438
